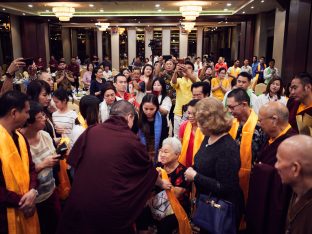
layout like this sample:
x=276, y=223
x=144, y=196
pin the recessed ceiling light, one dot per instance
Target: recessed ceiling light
x=244, y=12
x=159, y=10
x=3, y=9
x=24, y=14
x=157, y=5
x=252, y=7
x=30, y=5
x=225, y=9
x=91, y=5
x=101, y=10
x=262, y=1
x=229, y=4
x=226, y=22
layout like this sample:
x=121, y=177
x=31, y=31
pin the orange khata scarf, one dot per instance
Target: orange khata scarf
x=198, y=139
x=245, y=149
x=64, y=187
x=184, y=224
x=15, y=169
x=255, y=82
x=271, y=140
x=302, y=107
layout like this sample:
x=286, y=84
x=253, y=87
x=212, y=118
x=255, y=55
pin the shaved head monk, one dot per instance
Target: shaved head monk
x=268, y=198
x=294, y=165
x=113, y=177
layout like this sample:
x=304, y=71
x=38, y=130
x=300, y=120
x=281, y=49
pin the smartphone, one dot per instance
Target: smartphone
x=61, y=150
x=167, y=57
x=28, y=61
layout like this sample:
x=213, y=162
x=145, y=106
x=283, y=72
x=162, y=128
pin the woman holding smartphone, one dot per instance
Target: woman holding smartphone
x=44, y=156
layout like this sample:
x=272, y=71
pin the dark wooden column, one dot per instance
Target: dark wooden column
x=32, y=37
x=297, y=52
x=247, y=36
x=242, y=41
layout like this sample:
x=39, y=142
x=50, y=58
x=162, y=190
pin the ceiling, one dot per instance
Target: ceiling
x=142, y=11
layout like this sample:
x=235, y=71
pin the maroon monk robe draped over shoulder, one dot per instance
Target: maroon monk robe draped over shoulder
x=293, y=106
x=113, y=180
x=268, y=198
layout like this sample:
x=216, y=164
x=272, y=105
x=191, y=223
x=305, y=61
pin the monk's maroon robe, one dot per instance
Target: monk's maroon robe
x=112, y=182
x=293, y=106
x=268, y=198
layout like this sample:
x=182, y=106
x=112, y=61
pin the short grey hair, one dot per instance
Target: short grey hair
x=122, y=108
x=174, y=143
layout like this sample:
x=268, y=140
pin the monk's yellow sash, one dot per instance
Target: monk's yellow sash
x=245, y=149
x=198, y=139
x=271, y=140
x=302, y=107
x=15, y=169
x=82, y=121
x=184, y=224
x=255, y=81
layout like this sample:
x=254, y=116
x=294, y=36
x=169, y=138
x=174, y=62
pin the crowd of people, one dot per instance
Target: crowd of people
x=150, y=143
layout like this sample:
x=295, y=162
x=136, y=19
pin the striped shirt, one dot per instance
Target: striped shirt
x=65, y=121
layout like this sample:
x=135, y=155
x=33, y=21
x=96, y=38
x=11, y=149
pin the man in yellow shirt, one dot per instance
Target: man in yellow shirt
x=220, y=85
x=234, y=70
x=183, y=90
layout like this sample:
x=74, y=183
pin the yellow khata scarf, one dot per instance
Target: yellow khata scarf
x=198, y=139
x=15, y=169
x=271, y=140
x=245, y=149
x=184, y=224
x=82, y=121
x=255, y=82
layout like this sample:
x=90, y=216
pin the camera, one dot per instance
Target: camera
x=154, y=43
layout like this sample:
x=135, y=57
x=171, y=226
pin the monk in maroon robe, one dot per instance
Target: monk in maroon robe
x=113, y=177
x=268, y=198
x=300, y=102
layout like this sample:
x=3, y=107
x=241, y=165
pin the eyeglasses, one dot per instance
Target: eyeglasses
x=233, y=107
x=42, y=116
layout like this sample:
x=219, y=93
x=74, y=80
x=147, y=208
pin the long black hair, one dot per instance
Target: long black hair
x=143, y=123
x=150, y=79
x=89, y=109
x=163, y=88
x=35, y=87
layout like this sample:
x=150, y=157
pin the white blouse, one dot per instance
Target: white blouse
x=265, y=98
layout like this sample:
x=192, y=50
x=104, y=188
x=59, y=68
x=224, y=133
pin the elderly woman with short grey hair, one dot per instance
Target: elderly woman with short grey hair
x=168, y=157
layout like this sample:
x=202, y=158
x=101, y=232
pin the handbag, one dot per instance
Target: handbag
x=160, y=206
x=215, y=215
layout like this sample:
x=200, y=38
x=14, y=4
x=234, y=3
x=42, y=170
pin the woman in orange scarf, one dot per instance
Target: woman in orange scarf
x=178, y=189
x=190, y=135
